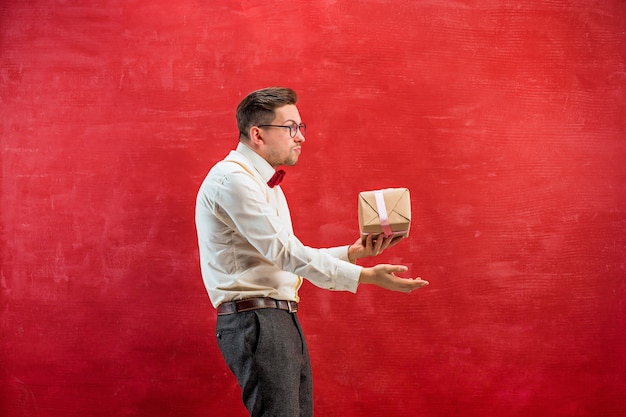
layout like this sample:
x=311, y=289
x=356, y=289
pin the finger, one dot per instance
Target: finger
x=415, y=284
x=387, y=242
x=380, y=240
x=396, y=268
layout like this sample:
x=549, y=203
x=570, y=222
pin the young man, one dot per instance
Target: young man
x=253, y=265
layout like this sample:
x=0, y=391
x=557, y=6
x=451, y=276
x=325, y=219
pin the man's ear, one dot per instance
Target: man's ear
x=255, y=136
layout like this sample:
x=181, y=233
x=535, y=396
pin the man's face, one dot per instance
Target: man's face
x=279, y=148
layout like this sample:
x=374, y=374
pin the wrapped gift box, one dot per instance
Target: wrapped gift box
x=386, y=211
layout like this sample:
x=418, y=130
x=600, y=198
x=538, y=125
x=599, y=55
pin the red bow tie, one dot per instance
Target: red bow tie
x=276, y=178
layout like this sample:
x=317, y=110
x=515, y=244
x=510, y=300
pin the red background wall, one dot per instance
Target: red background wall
x=505, y=119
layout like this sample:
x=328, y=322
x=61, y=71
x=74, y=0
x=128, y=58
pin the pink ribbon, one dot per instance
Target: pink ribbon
x=382, y=213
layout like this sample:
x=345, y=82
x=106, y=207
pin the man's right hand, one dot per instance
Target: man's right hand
x=384, y=276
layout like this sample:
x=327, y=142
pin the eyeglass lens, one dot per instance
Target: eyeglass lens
x=293, y=129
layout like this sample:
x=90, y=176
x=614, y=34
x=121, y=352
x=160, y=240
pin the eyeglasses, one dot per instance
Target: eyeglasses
x=293, y=128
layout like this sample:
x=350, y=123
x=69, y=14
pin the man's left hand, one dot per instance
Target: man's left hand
x=374, y=245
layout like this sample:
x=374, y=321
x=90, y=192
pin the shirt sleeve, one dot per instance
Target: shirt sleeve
x=245, y=204
x=339, y=252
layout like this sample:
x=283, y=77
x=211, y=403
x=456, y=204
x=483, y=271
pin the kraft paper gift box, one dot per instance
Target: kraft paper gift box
x=386, y=211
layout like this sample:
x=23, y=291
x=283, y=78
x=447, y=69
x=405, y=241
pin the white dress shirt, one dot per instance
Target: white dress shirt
x=246, y=240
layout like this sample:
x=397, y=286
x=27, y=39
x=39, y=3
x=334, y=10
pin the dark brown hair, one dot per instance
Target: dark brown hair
x=257, y=108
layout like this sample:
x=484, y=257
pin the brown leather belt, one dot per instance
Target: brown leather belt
x=248, y=304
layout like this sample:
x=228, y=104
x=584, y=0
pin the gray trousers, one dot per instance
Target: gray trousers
x=266, y=351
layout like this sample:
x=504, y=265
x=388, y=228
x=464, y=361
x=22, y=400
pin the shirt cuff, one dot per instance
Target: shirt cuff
x=347, y=276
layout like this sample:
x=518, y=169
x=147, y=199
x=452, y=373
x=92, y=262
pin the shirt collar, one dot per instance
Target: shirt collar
x=261, y=165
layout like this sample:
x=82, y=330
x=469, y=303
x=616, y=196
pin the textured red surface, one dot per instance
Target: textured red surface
x=506, y=120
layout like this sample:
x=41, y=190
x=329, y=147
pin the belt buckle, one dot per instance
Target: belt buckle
x=292, y=307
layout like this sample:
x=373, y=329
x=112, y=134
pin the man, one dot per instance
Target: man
x=252, y=263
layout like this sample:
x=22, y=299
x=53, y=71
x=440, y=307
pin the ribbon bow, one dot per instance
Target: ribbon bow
x=276, y=178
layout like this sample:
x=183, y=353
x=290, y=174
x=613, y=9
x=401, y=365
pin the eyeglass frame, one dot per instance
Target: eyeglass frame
x=299, y=127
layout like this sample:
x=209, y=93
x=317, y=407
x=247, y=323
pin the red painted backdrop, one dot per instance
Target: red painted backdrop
x=505, y=119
